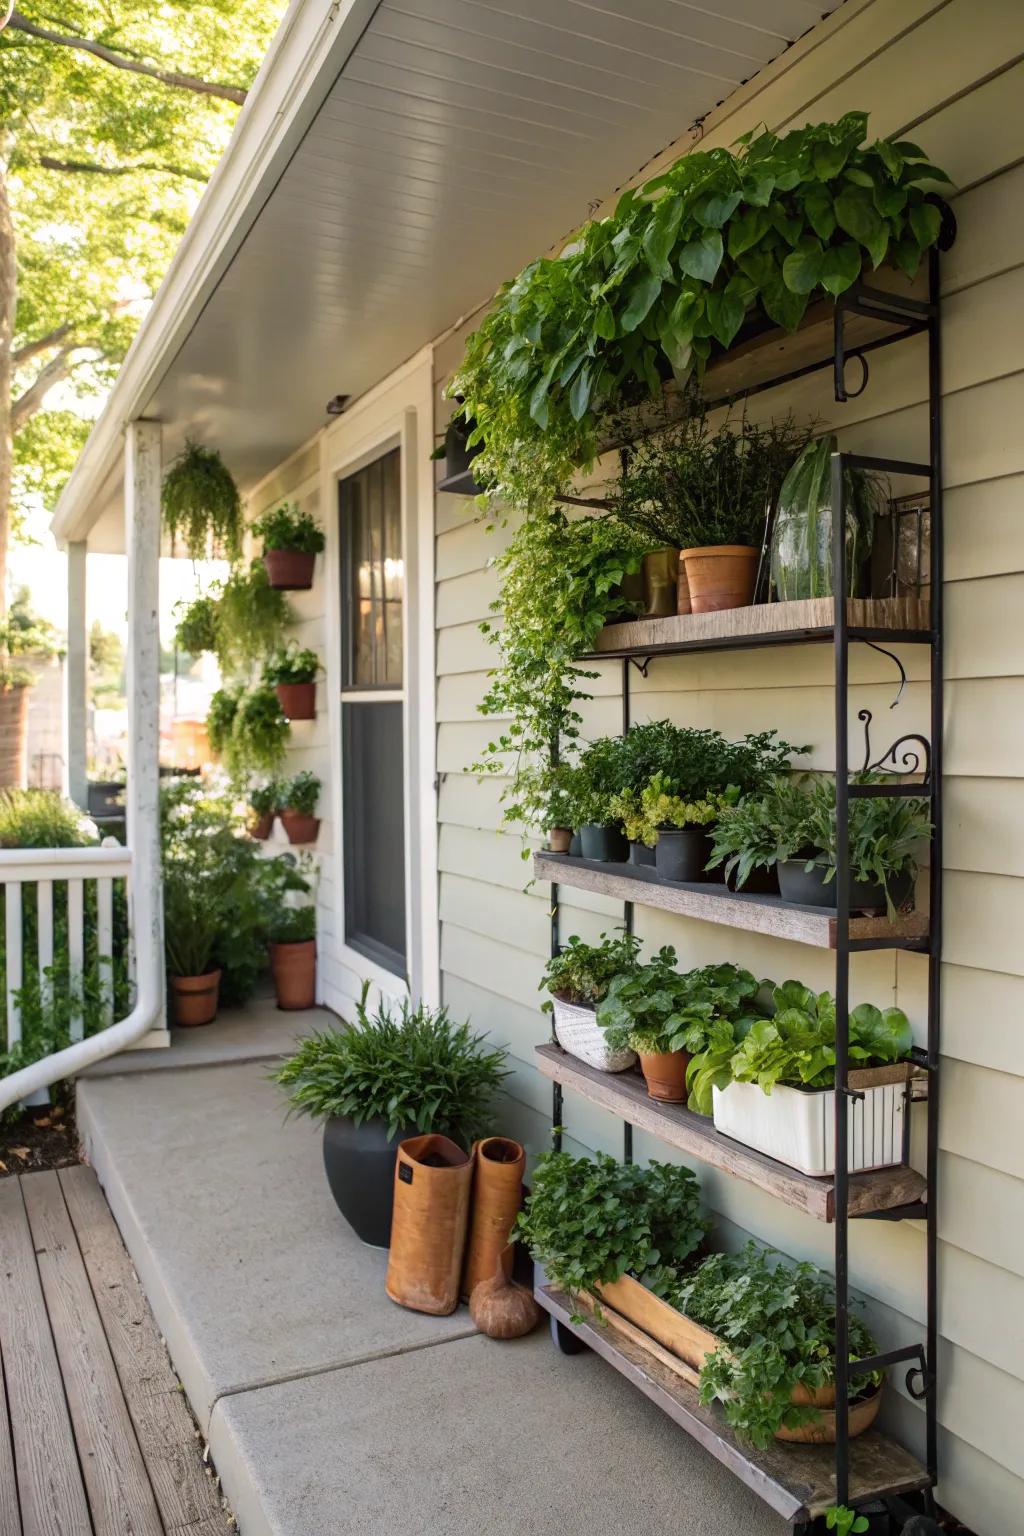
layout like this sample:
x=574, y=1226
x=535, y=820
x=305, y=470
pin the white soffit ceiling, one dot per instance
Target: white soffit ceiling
x=463, y=138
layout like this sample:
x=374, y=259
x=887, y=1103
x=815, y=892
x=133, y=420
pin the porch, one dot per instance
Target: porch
x=327, y=1408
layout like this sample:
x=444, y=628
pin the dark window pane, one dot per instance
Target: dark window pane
x=374, y=832
x=372, y=575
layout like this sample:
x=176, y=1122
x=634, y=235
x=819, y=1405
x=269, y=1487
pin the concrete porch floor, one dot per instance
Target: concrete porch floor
x=329, y=1409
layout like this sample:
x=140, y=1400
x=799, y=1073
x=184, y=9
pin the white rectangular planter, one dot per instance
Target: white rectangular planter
x=797, y=1126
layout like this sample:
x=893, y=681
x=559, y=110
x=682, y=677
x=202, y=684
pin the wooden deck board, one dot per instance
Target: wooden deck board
x=51, y=1494
x=116, y=1481
x=10, y=1515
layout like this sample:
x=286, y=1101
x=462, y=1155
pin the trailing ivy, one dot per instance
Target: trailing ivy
x=680, y=265
x=201, y=505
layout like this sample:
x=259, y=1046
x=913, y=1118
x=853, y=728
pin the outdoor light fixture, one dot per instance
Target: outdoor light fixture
x=337, y=404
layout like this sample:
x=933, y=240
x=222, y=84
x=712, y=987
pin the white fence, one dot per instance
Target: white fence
x=59, y=878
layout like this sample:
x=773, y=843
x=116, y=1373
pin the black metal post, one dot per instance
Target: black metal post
x=627, y=907
x=841, y=651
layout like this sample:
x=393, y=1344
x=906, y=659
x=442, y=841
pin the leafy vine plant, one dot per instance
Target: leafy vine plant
x=644, y=295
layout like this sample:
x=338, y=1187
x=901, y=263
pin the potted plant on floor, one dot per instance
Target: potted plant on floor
x=396, y=1072
x=191, y=930
x=577, y=979
x=292, y=673
x=296, y=807
x=263, y=800
x=292, y=539
x=293, y=956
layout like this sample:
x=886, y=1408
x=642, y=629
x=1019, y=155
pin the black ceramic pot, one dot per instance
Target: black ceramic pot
x=809, y=888
x=682, y=853
x=360, y=1164
x=639, y=853
x=606, y=845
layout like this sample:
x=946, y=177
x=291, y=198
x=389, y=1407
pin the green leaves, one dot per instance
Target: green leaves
x=857, y=215
x=642, y=295
x=701, y=258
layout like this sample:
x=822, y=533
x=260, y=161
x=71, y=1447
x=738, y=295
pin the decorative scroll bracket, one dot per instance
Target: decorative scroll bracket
x=908, y=754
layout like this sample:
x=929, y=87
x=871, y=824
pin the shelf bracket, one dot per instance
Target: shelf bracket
x=908, y=754
x=641, y=666
x=899, y=665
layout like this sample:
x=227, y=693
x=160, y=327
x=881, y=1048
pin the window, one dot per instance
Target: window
x=372, y=714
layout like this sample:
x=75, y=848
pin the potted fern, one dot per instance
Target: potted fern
x=296, y=807
x=292, y=539
x=293, y=957
x=201, y=505
x=292, y=673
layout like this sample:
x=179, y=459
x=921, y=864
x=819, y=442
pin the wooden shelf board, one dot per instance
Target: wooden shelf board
x=797, y=1481
x=712, y=902
x=625, y=1094
x=810, y=619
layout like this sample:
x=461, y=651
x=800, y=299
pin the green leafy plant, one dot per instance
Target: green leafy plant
x=288, y=527
x=590, y=1221
x=776, y=1321
x=294, y=925
x=677, y=269
x=201, y=505
x=299, y=794
x=265, y=798
x=580, y=973
x=191, y=917
x=220, y=719
x=250, y=620
x=292, y=665
x=694, y=486
x=247, y=729
x=41, y=818
x=560, y=582
x=195, y=632
x=413, y=1067
x=757, y=830
x=846, y=1521
x=655, y=1009
x=24, y=632
x=662, y=807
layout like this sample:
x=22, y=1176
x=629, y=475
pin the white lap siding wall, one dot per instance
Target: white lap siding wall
x=936, y=73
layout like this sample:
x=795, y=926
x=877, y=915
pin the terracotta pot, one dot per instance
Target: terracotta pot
x=13, y=736
x=721, y=576
x=428, y=1224
x=194, y=998
x=494, y=1204
x=661, y=568
x=293, y=967
x=297, y=700
x=290, y=570
x=822, y=1430
x=559, y=839
x=682, y=588
x=300, y=829
x=262, y=827
x=665, y=1075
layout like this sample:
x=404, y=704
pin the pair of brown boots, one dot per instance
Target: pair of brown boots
x=452, y=1215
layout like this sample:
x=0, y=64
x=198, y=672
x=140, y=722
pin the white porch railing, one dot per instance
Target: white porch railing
x=59, y=878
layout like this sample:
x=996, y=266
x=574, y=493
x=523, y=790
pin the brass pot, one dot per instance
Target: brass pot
x=661, y=570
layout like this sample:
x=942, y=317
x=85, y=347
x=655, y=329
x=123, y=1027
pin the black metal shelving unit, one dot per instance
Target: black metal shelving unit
x=850, y=1479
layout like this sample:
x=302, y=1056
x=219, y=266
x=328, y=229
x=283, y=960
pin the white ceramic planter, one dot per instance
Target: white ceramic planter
x=577, y=1031
x=797, y=1126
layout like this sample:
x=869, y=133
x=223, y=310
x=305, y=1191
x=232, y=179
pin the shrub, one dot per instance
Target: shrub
x=41, y=818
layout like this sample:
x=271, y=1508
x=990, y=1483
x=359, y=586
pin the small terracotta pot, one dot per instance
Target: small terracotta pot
x=682, y=588
x=293, y=967
x=300, y=829
x=297, y=700
x=822, y=1430
x=290, y=570
x=262, y=827
x=195, y=998
x=661, y=568
x=665, y=1075
x=720, y=576
x=559, y=839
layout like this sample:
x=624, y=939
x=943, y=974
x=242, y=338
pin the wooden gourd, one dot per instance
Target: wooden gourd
x=501, y=1308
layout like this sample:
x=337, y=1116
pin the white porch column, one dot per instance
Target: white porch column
x=142, y=478
x=76, y=671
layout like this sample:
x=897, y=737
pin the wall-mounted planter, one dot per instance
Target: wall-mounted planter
x=262, y=827
x=578, y=1032
x=458, y=459
x=299, y=828
x=796, y=1126
x=289, y=570
x=809, y=888
x=297, y=700
x=194, y=998
x=293, y=967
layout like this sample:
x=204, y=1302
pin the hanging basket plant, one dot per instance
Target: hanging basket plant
x=201, y=505
x=646, y=294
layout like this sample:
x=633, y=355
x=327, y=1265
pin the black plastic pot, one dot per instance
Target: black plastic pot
x=607, y=845
x=576, y=846
x=760, y=882
x=682, y=853
x=639, y=853
x=360, y=1164
x=808, y=888
x=105, y=797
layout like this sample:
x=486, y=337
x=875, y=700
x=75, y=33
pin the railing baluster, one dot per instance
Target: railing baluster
x=105, y=948
x=13, y=939
x=76, y=955
x=44, y=920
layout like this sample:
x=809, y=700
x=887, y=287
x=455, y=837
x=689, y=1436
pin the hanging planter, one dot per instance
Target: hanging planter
x=292, y=539
x=201, y=505
x=292, y=672
x=458, y=478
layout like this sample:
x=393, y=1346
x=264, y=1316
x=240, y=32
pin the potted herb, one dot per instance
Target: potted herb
x=772, y=1362
x=396, y=1072
x=748, y=835
x=801, y=549
x=577, y=979
x=591, y=1220
x=201, y=504
x=191, y=928
x=292, y=672
x=297, y=807
x=293, y=956
x=774, y=1090
x=292, y=539
x=680, y=827
x=709, y=493
x=263, y=800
